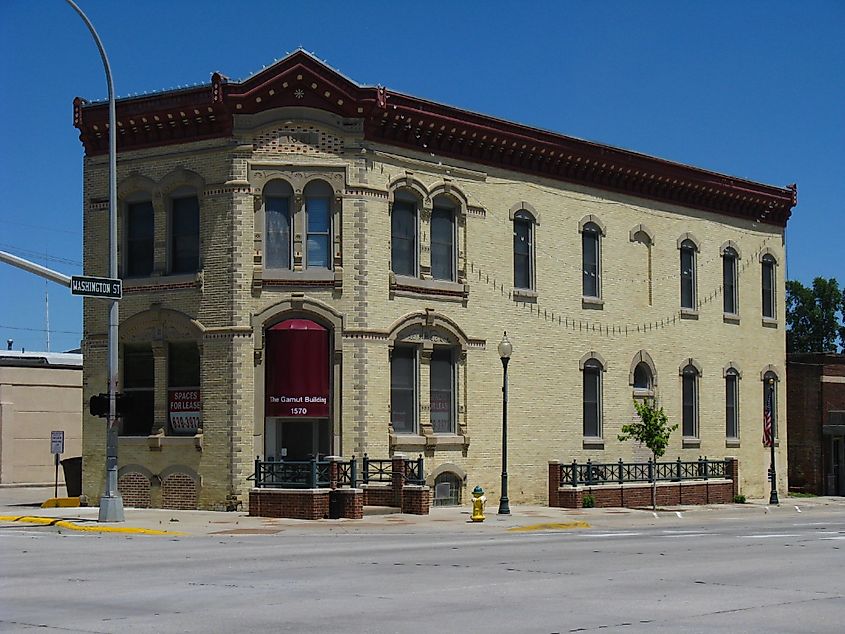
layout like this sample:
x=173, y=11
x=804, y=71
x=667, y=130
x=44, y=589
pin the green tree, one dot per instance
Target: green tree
x=812, y=316
x=653, y=431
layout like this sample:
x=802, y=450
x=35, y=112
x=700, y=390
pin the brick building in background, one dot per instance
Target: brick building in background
x=316, y=267
x=816, y=427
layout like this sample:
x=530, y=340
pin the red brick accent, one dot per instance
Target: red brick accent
x=398, y=480
x=639, y=495
x=416, y=499
x=378, y=495
x=134, y=488
x=300, y=504
x=554, y=483
x=179, y=491
x=347, y=503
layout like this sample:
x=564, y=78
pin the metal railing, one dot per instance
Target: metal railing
x=378, y=470
x=291, y=474
x=620, y=472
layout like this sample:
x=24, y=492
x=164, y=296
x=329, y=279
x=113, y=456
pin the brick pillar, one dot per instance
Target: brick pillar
x=334, y=470
x=554, y=483
x=398, y=477
x=733, y=474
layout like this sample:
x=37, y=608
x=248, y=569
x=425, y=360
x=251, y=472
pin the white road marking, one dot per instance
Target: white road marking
x=770, y=536
x=609, y=534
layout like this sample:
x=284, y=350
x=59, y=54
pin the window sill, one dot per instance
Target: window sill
x=732, y=443
x=642, y=393
x=689, y=313
x=407, y=286
x=159, y=282
x=730, y=318
x=415, y=443
x=770, y=322
x=526, y=295
x=592, y=443
x=155, y=442
x=691, y=443
x=594, y=303
x=308, y=277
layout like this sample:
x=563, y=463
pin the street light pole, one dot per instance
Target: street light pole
x=505, y=350
x=770, y=403
x=111, y=502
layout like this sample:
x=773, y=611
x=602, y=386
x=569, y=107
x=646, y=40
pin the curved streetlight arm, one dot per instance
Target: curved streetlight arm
x=111, y=504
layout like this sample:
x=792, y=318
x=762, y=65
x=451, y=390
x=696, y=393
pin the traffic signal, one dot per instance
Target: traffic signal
x=99, y=405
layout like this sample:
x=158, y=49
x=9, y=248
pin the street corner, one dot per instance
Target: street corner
x=85, y=526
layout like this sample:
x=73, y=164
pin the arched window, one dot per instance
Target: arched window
x=277, y=225
x=443, y=239
x=403, y=389
x=442, y=390
x=689, y=378
x=140, y=227
x=643, y=379
x=591, y=260
x=592, y=419
x=318, y=223
x=729, y=281
x=523, y=250
x=768, y=286
x=403, y=233
x=688, y=274
x=447, y=489
x=732, y=404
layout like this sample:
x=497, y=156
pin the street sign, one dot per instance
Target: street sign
x=57, y=442
x=87, y=286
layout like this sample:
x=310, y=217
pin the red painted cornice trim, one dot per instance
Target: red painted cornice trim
x=403, y=121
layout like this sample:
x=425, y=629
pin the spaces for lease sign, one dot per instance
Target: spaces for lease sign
x=184, y=410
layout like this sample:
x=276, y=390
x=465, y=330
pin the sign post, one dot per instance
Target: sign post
x=57, y=446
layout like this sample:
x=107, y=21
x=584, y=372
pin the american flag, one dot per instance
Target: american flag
x=767, y=417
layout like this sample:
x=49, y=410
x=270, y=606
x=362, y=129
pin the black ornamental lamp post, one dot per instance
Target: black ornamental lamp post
x=505, y=350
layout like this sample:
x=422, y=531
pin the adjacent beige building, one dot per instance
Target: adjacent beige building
x=314, y=267
x=40, y=392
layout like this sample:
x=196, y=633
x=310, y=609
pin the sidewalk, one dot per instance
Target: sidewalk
x=19, y=506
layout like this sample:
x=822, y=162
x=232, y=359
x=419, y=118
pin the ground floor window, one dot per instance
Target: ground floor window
x=139, y=386
x=447, y=489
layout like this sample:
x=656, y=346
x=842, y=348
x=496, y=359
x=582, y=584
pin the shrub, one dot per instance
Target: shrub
x=739, y=499
x=588, y=501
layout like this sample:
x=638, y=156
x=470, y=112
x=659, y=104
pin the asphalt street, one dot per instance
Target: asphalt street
x=726, y=571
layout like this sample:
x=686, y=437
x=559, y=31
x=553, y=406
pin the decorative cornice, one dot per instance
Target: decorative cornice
x=403, y=121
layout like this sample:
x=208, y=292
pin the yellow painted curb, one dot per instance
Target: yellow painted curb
x=54, y=521
x=548, y=526
x=53, y=503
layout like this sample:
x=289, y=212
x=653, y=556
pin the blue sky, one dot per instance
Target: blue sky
x=752, y=89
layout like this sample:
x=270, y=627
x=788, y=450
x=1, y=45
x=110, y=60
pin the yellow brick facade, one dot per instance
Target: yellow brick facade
x=228, y=304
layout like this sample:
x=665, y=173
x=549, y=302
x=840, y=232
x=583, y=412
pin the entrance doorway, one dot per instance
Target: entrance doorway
x=836, y=478
x=297, y=406
x=297, y=439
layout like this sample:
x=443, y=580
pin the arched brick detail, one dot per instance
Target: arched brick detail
x=179, y=491
x=134, y=488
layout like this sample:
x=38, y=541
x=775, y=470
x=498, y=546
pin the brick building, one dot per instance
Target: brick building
x=316, y=267
x=816, y=427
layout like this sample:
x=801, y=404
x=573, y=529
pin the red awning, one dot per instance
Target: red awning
x=297, y=324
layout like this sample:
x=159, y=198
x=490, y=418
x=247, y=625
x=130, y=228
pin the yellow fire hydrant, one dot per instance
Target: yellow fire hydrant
x=478, y=502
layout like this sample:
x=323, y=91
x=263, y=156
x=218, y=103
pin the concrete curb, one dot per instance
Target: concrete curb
x=53, y=521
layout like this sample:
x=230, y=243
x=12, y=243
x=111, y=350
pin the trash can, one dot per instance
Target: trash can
x=73, y=476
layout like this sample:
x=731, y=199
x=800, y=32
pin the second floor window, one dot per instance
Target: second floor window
x=590, y=258
x=688, y=274
x=523, y=251
x=768, y=284
x=443, y=243
x=729, y=290
x=403, y=234
x=184, y=235
x=139, y=239
x=318, y=220
x=277, y=225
